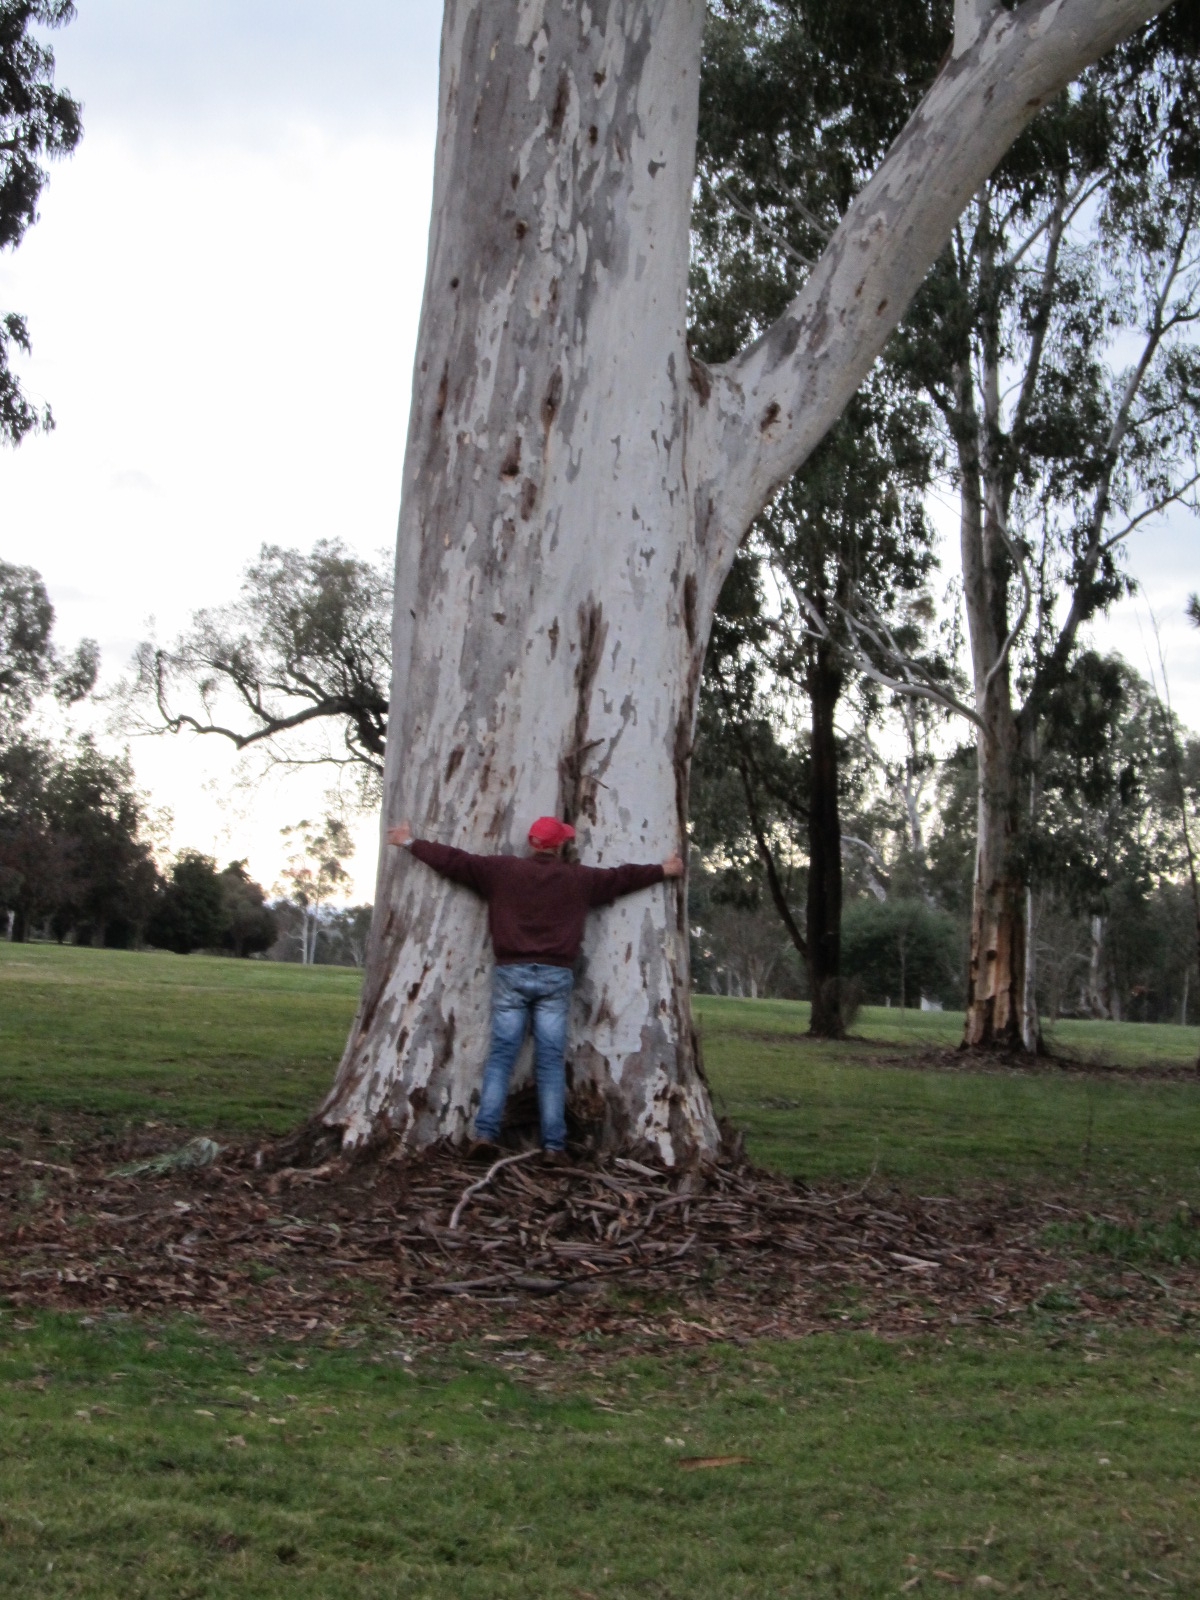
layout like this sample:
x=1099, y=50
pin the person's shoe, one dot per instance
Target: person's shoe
x=483, y=1150
x=556, y=1158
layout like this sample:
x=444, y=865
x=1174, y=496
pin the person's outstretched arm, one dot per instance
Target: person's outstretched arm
x=459, y=865
x=606, y=884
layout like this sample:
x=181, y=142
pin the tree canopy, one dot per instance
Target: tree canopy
x=38, y=123
x=298, y=665
x=30, y=665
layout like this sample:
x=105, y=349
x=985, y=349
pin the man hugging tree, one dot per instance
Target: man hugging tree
x=537, y=906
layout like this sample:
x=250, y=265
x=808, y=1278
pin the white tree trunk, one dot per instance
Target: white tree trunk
x=549, y=636
x=1097, y=1002
x=575, y=488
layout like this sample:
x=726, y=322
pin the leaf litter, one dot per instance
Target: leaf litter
x=437, y=1250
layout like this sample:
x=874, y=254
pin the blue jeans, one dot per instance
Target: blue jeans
x=521, y=993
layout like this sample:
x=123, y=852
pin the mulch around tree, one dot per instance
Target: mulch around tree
x=430, y=1248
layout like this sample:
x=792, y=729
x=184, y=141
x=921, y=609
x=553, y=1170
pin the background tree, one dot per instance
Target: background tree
x=901, y=951
x=250, y=927
x=37, y=123
x=344, y=934
x=749, y=783
x=190, y=913
x=74, y=857
x=1183, y=768
x=298, y=662
x=1077, y=249
x=314, y=874
x=113, y=877
x=798, y=104
x=35, y=856
x=30, y=666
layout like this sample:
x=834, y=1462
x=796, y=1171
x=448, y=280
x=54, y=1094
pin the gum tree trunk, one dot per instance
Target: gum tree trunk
x=575, y=488
x=997, y=963
x=824, y=918
x=996, y=970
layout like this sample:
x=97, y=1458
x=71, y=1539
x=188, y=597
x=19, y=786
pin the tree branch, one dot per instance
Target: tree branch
x=752, y=217
x=869, y=639
x=1081, y=599
x=970, y=18
x=772, y=404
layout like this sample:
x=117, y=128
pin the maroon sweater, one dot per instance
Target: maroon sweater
x=537, y=905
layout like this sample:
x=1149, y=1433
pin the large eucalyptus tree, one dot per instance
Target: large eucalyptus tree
x=576, y=486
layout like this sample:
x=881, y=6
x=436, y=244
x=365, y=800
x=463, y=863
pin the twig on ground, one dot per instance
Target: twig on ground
x=505, y=1161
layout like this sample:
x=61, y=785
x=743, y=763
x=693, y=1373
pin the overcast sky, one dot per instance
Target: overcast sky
x=223, y=292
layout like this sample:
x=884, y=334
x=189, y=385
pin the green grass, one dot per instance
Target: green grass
x=1053, y=1468
x=196, y=1040
x=1173, y=1240
x=1049, y=1460
x=1118, y=1044
x=826, y=1112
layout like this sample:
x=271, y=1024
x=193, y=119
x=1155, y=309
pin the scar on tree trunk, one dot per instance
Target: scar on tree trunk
x=997, y=968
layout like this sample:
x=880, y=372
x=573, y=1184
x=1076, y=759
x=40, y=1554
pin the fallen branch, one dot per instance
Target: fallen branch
x=505, y=1161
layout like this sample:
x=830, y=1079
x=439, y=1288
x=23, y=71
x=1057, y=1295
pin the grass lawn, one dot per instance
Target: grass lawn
x=831, y=1111
x=189, y=1469
x=1050, y=1459
x=228, y=1046
x=195, y=1040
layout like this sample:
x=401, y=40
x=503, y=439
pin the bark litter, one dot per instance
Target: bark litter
x=611, y=1248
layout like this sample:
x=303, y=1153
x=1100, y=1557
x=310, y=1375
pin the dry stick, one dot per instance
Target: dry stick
x=521, y=1280
x=506, y=1161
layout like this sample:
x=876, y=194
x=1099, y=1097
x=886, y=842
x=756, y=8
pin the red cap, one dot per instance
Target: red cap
x=548, y=833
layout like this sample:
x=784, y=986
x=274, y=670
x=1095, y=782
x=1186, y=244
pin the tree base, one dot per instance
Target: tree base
x=1009, y=1046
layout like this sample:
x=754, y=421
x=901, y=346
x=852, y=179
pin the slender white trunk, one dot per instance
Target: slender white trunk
x=1097, y=1004
x=575, y=489
x=1031, y=1032
x=997, y=965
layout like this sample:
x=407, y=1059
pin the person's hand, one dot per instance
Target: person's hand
x=673, y=866
x=401, y=835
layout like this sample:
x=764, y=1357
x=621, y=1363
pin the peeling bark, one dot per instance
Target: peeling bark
x=575, y=488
